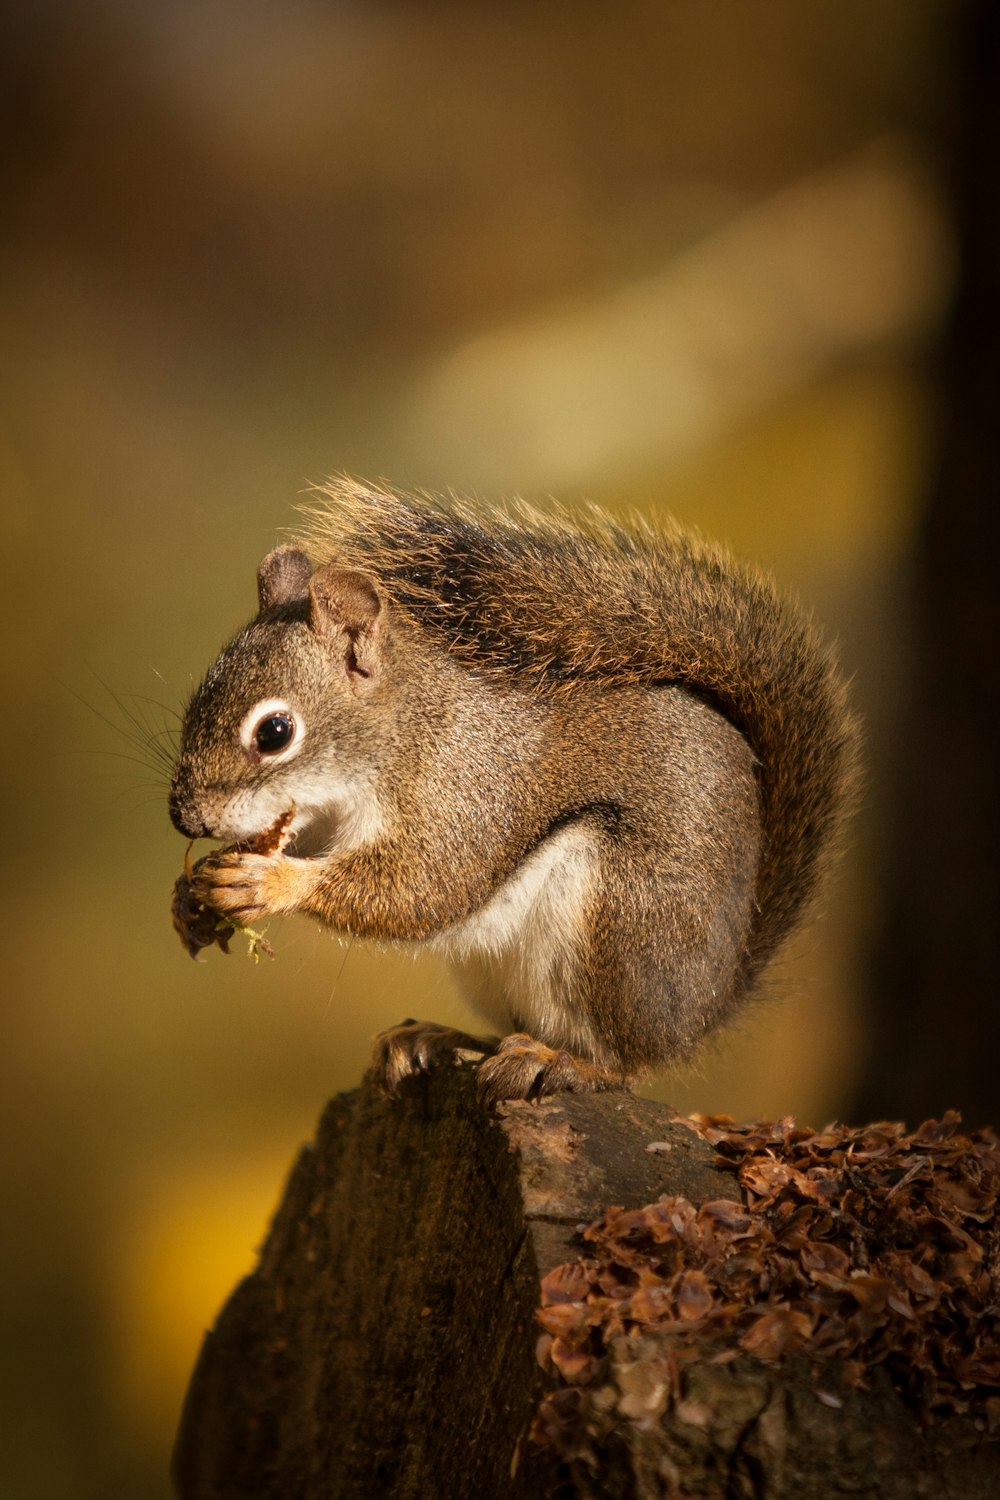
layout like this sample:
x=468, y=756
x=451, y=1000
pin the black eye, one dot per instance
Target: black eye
x=274, y=733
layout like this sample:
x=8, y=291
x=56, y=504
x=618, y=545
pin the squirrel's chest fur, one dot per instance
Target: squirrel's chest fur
x=515, y=956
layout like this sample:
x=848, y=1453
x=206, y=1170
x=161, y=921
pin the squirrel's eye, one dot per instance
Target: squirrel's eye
x=271, y=730
x=273, y=733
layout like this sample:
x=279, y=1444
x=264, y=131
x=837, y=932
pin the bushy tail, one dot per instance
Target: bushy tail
x=554, y=598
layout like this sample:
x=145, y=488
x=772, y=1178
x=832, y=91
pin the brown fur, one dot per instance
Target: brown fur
x=607, y=762
x=554, y=601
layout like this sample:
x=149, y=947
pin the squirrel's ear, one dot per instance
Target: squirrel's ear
x=283, y=576
x=345, y=605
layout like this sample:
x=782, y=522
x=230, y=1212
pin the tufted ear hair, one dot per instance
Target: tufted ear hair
x=283, y=577
x=346, y=607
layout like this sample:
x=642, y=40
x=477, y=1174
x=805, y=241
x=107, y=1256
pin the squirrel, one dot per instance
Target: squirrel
x=599, y=765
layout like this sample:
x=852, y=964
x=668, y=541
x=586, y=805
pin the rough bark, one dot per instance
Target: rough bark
x=756, y=1430
x=385, y=1344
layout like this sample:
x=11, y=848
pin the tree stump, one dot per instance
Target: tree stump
x=386, y=1344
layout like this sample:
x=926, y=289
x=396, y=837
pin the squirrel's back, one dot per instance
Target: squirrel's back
x=553, y=600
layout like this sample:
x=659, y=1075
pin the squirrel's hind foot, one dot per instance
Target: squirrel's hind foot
x=415, y=1046
x=523, y=1068
x=518, y=1067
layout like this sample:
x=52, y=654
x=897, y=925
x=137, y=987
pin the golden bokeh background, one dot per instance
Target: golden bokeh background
x=667, y=256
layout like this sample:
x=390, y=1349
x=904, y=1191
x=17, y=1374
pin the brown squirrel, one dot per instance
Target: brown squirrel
x=597, y=765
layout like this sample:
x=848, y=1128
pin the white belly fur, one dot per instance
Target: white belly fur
x=515, y=956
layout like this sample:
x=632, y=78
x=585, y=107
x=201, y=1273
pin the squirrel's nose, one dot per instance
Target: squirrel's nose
x=182, y=816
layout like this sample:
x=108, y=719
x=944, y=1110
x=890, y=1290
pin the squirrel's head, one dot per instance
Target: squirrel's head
x=288, y=716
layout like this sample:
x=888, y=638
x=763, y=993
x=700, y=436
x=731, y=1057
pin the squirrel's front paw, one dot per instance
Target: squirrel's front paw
x=248, y=887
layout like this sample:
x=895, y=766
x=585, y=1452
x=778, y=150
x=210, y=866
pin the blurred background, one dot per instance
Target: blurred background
x=736, y=262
